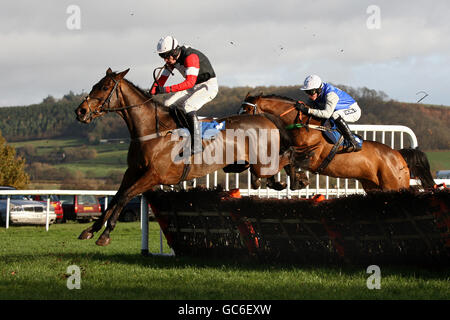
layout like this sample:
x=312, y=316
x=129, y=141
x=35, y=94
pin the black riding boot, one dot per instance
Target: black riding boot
x=345, y=130
x=195, y=131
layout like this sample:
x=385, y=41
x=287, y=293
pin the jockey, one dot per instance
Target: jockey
x=331, y=102
x=199, y=87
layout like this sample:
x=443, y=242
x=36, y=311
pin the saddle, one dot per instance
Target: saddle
x=333, y=135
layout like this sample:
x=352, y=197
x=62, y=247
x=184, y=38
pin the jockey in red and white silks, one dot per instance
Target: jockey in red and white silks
x=199, y=87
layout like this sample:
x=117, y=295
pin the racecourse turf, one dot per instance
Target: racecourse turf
x=34, y=263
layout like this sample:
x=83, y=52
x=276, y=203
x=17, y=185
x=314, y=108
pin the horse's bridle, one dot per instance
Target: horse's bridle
x=102, y=107
x=255, y=106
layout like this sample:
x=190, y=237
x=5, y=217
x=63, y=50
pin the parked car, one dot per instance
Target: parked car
x=131, y=212
x=54, y=201
x=443, y=174
x=23, y=210
x=83, y=208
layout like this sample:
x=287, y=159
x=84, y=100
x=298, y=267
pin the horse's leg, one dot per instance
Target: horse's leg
x=369, y=185
x=393, y=174
x=144, y=183
x=298, y=179
x=127, y=180
x=255, y=181
x=290, y=172
x=276, y=185
x=284, y=160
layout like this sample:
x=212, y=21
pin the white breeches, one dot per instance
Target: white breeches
x=351, y=114
x=194, y=98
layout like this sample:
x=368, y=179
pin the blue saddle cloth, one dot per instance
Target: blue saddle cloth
x=211, y=129
x=333, y=136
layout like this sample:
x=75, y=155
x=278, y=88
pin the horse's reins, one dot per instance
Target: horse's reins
x=294, y=125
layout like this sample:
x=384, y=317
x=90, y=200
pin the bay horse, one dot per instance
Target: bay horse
x=154, y=147
x=376, y=166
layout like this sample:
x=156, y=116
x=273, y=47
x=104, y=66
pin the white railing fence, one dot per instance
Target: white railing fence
x=397, y=137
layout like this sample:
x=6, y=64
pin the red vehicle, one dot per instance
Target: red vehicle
x=54, y=201
x=81, y=207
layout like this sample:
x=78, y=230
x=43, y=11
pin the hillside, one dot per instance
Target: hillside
x=56, y=119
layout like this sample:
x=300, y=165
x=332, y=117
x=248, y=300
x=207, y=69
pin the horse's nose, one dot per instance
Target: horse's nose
x=80, y=111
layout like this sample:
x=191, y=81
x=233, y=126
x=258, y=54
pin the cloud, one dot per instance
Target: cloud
x=249, y=43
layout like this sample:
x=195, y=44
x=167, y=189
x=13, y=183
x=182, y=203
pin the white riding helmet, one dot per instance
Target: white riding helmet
x=312, y=82
x=166, y=44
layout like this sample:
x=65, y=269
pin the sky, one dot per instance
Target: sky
x=399, y=47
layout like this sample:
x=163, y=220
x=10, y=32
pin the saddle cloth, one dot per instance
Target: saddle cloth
x=209, y=128
x=334, y=135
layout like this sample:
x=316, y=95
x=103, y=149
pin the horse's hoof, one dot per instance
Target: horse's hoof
x=103, y=241
x=85, y=235
x=256, y=185
x=278, y=186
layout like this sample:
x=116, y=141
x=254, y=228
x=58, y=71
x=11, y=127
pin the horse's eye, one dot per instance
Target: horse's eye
x=105, y=88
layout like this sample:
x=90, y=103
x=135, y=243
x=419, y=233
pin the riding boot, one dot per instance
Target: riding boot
x=195, y=131
x=348, y=135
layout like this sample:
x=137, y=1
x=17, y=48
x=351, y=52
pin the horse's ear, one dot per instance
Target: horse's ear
x=123, y=73
x=109, y=71
x=247, y=95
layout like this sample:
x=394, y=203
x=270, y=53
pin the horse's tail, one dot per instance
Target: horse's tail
x=419, y=166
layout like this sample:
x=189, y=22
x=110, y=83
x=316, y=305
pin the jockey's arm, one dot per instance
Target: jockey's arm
x=162, y=79
x=331, y=102
x=192, y=65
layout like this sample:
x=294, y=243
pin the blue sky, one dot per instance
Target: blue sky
x=401, y=48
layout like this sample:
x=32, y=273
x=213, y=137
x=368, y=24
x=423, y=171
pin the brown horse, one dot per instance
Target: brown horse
x=376, y=166
x=155, y=148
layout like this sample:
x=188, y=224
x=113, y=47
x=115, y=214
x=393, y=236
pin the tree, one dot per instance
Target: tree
x=12, y=167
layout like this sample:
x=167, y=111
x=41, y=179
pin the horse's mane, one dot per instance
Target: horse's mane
x=142, y=91
x=146, y=94
x=278, y=97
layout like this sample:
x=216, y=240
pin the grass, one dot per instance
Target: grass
x=34, y=263
x=439, y=160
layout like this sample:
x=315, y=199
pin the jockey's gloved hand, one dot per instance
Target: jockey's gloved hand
x=157, y=90
x=302, y=107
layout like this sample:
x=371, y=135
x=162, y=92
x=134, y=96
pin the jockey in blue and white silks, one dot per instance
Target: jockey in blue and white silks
x=331, y=102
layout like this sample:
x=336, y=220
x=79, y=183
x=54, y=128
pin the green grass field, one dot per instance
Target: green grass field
x=34, y=264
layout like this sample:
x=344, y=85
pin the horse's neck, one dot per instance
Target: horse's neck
x=141, y=120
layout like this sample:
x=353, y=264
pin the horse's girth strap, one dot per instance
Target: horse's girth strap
x=330, y=156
